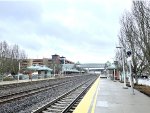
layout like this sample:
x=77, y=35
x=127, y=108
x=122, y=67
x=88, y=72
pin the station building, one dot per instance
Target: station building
x=56, y=59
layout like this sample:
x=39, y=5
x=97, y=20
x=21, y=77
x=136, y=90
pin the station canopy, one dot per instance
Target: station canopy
x=112, y=66
x=39, y=67
x=93, y=65
x=69, y=68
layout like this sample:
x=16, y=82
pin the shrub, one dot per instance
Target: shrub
x=8, y=79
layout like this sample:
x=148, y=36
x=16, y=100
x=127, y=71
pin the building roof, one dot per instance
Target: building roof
x=39, y=67
x=112, y=66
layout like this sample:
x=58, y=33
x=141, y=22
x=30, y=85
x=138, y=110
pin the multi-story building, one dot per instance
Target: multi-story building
x=56, y=59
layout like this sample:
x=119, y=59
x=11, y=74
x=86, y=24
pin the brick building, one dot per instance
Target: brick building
x=56, y=59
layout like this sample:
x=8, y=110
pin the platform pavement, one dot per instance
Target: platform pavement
x=14, y=81
x=29, y=80
x=110, y=97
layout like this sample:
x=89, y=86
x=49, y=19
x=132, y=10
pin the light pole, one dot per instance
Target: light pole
x=115, y=69
x=18, y=70
x=114, y=63
x=131, y=80
x=122, y=55
x=65, y=70
x=54, y=70
x=114, y=75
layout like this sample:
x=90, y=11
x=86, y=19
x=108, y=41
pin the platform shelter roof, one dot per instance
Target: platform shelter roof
x=39, y=67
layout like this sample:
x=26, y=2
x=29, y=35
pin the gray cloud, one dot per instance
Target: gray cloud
x=20, y=10
x=71, y=29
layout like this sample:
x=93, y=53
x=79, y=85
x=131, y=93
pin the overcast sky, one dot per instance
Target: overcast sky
x=81, y=30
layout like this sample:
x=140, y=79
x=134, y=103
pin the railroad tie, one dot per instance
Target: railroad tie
x=60, y=107
x=61, y=102
x=46, y=112
x=51, y=110
x=66, y=100
x=71, y=110
x=69, y=98
x=58, y=104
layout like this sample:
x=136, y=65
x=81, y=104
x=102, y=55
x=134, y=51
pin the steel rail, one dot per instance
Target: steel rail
x=77, y=98
x=26, y=91
x=8, y=98
x=61, y=100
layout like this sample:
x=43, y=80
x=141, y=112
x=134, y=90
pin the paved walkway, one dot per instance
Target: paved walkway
x=106, y=96
x=112, y=98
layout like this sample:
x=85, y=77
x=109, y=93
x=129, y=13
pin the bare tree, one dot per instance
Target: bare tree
x=10, y=57
x=130, y=39
x=141, y=12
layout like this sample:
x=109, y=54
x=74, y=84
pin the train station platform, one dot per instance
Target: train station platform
x=106, y=96
x=22, y=81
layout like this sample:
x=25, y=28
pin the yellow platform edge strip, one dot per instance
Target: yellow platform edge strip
x=94, y=103
x=85, y=104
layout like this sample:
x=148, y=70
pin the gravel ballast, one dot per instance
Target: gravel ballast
x=27, y=104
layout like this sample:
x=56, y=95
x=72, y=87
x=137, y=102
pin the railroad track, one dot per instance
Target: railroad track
x=26, y=91
x=22, y=94
x=67, y=102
